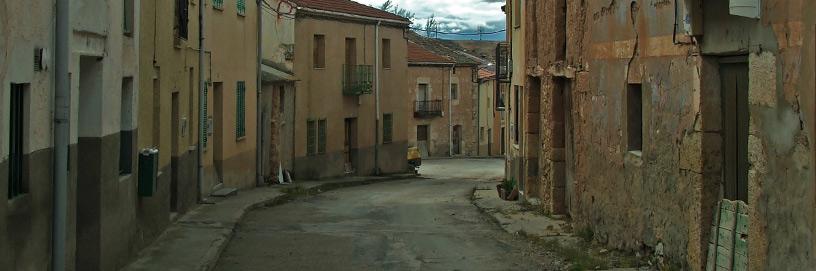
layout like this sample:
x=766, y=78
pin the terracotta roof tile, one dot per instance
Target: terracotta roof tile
x=349, y=7
x=418, y=54
x=484, y=73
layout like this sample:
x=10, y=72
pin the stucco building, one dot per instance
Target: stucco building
x=444, y=94
x=677, y=115
x=490, y=117
x=101, y=187
x=351, y=112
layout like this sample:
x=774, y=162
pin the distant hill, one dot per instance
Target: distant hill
x=482, y=49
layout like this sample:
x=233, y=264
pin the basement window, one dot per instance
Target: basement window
x=17, y=137
x=634, y=117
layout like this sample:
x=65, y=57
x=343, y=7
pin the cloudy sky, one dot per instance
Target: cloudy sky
x=458, y=16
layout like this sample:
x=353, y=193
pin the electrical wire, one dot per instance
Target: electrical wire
x=458, y=33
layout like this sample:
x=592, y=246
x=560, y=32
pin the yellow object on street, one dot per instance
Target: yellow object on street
x=413, y=154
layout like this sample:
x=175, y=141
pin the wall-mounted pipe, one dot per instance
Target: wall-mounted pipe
x=202, y=114
x=259, y=132
x=377, y=98
x=62, y=134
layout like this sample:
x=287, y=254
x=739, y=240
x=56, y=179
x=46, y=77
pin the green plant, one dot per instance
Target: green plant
x=509, y=185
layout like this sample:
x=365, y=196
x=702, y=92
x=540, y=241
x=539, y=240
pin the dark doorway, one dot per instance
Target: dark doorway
x=351, y=51
x=350, y=145
x=423, y=140
x=218, y=131
x=90, y=154
x=734, y=78
x=174, y=147
x=457, y=139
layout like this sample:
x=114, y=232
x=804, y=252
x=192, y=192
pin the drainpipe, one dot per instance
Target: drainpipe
x=62, y=134
x=377, y=98
x=259, y=140
x=450, y=110
x=202, y=114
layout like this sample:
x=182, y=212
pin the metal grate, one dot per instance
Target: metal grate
x=321, y=136
x=358, y=79
x=311, y=144
x=240, y=5
x=218, y=4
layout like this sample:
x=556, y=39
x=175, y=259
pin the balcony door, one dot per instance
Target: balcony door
x=422, y=93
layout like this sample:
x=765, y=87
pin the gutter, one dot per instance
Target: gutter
x=352, y=16
x=450, y=111
x=377, y=98
x=62, y=134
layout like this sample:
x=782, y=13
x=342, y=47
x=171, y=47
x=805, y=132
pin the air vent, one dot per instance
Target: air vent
x=745, y=8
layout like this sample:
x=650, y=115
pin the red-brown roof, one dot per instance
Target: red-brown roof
x=418, y=54
x=484, y=73
x=349, y=7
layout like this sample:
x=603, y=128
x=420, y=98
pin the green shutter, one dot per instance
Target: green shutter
x=204, y=124
x=310, y=137
x=219, y=4
x=321, y=136
x=241, y=6
x=240, y=110
x=388, y=128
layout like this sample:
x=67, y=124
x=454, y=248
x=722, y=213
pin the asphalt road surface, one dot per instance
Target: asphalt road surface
x=424, y=223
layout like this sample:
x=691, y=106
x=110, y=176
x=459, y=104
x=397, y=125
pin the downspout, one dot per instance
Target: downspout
x=202, y=114
x=259, y=140
x=62, y=134
x=450, y=110
x=377, y=98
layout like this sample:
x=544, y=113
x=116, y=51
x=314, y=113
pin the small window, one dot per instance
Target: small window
x=127, y=23
x=634, y=116
x=240, y=110
x=181, y=19
x=321, y=136
x=454, y=91
x=517, y=13
x=126, y=128
x=386, y=53
x=319, y=51
x=17, y=137
x=240, y=6
x=481, y=134
x=218, y=4
x=388, y=128
x=311, y=137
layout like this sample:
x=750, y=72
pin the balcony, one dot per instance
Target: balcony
x=428, y=109
x=358, y=80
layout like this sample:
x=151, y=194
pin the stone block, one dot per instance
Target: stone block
x=756, y=154
x=691, y=152
x=762, y=79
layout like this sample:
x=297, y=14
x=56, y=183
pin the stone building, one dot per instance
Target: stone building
x=680, y=104
x=444, y=96
x=351, y=112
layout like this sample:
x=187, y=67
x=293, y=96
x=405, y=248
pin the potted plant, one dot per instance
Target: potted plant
x=507, y=190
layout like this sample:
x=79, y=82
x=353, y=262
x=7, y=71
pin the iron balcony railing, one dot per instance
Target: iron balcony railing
x=428, y=109
x=357, y=80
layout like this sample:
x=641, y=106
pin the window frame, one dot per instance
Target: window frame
x=322, y=133
x=319, y=51
x=634, y=118
x=388, y=128
x=311, y=137
x=240, y=110
x=386, y=54
x=454, y=88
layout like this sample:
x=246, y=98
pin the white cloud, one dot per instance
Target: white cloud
x=454, y=15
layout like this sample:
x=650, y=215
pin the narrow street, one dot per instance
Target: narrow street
x=426, y=223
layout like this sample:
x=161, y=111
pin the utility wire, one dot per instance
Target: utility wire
x=458, y=33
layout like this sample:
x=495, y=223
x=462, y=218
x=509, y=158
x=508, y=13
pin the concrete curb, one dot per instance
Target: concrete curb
x=210, y=230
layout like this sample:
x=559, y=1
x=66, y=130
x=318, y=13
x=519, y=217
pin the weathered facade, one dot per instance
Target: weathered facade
x=490, y=118
x=679, y=104
x=444, y=99
x=347, y=52
x=277, y=101
x=101, y=188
